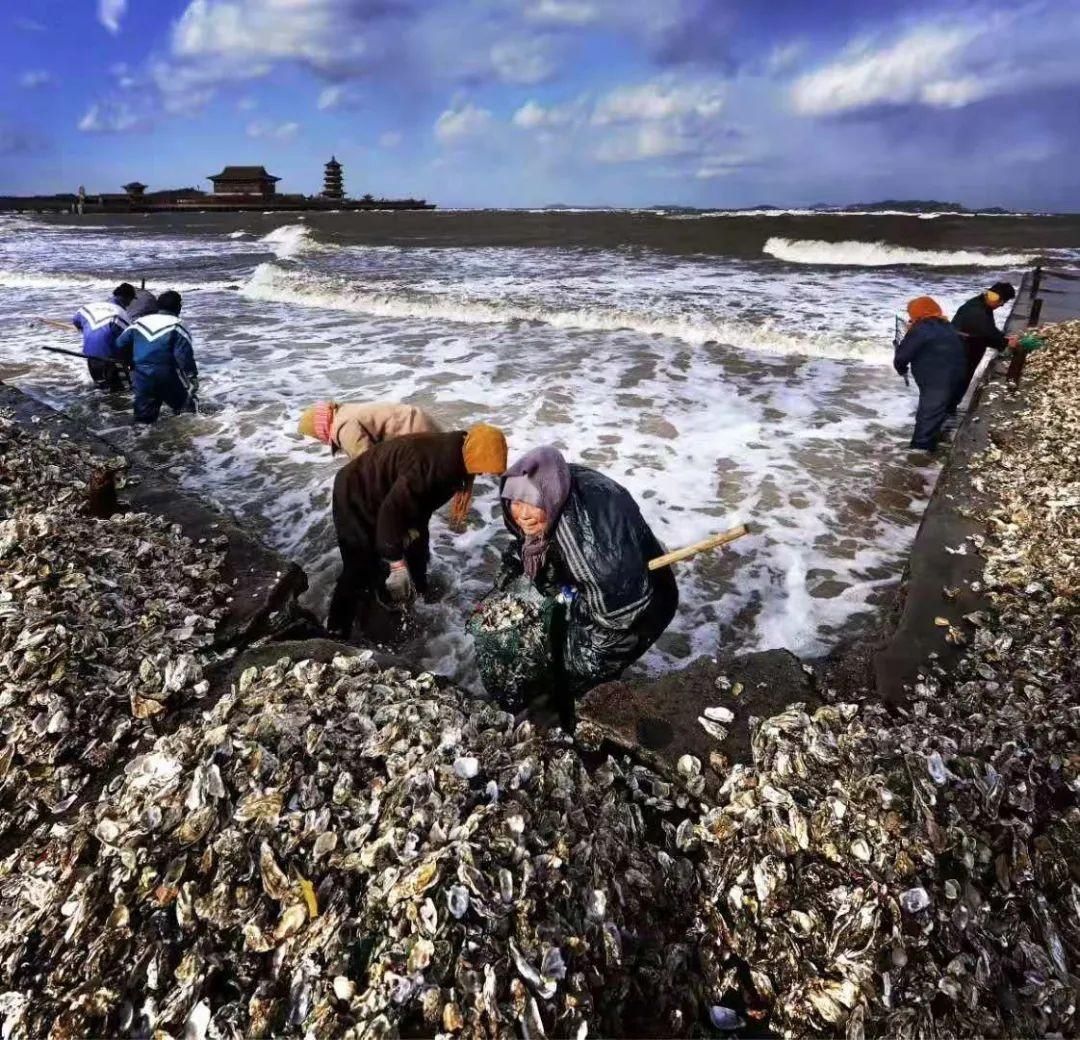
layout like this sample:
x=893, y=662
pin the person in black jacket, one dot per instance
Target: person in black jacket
x=383, y=502
x=578, y=533
x=934, y=351
x=975, y=323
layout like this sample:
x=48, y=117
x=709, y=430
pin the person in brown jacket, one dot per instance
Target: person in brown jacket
x=383, y=502
x=353, y=428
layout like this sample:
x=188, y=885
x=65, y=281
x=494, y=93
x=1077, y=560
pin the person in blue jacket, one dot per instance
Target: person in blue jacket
x=935, y=353
x=101, y=325
x=158, y=348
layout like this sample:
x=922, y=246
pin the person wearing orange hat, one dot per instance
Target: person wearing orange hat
x=383, y=502
x=353, y=428
x=933, y=350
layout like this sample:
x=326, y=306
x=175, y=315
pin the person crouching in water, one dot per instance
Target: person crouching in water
x=353, y=428
x=383, y=503
x=934, y=351
x=975, y=323
x=579, y=533
x=101, y=325
x=158, y=348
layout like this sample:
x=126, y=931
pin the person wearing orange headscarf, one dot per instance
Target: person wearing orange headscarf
x=383, y=502
x=933, y=350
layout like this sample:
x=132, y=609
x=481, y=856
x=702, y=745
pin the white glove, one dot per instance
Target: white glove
x=399, y=584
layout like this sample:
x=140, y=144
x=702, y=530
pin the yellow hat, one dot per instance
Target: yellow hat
x=485, y=449
x=317, y=420
x=306, y=427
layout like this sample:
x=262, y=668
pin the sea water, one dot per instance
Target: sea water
x=722, y=376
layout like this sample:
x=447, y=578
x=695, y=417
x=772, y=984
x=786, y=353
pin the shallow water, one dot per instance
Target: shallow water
x=719, y=389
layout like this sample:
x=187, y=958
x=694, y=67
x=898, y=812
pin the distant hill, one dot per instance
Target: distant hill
x=905, y=206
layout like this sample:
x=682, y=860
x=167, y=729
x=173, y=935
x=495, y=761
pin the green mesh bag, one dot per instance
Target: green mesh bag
x=511, y=632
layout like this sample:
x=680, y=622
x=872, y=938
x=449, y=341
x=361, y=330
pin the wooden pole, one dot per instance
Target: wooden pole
x=66, y=326
x=698, y=547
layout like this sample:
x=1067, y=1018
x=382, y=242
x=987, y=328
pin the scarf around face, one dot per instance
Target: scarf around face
x=539, y=478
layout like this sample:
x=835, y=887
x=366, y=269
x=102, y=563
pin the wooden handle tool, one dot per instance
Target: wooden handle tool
x=703, y=546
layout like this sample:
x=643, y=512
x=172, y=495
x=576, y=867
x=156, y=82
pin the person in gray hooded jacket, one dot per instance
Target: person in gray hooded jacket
x=578, y=533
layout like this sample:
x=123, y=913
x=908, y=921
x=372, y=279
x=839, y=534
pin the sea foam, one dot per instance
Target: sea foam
x=881, y=254
x=274, y=284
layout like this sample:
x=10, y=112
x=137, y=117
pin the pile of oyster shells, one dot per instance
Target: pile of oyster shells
x=343, y=850
x=914, y=873
x=101, y=625
x=334, y=848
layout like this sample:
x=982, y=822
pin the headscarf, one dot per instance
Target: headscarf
x=317, y=421
x=1003, y=291
x=540, y=478
x=923, y=307
x=484, y=451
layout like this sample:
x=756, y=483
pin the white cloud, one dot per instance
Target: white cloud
x=263, y=128
x=34, y=79
x=660, y=99
x=390, y=139
x=462, y=122
x=110, y=13
x=330, y=97
x=121, y=72
x=522, y=60
x=29, y=25
x=653, y=140
x=949, y=65
x=784, y=57
x=112, y=117
x=532, y=115
x=563, y=12
x=923, y=67
x=325, y=34
x=338, y=95
x=246, y=104
x=713, y=166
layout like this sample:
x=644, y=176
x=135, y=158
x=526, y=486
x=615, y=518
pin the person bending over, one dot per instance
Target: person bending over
x=158, y=348
x=101, y=325
x=353, y=428
x=578, y=533
x=975, y=323
x=383, y=503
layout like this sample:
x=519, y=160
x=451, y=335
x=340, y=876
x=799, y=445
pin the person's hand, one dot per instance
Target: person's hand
x=1012, y=340
x=399, y=583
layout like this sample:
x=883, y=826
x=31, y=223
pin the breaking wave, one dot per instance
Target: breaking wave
x=27, y=280
x=273, y=284
x=290, y=241
x=880, y=254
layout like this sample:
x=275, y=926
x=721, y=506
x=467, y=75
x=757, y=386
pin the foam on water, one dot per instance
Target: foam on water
x=881, y=254
x=272, y=283
x=290, y=241
x=690, y=380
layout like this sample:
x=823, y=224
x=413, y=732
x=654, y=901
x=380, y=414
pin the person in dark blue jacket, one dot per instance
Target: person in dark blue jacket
x=158, y=347
x=937, y=358
x=101, y=325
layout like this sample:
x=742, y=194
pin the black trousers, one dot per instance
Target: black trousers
x=364, y=572
x=106, y=375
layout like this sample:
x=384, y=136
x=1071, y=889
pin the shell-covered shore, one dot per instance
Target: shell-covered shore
x=333, y=849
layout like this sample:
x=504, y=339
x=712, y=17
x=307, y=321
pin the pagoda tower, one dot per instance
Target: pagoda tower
x=333, y=187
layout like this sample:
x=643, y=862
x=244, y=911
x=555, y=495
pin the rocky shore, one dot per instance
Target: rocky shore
x=204, y=840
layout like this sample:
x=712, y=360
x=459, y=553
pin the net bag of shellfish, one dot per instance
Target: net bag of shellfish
x=511, y=632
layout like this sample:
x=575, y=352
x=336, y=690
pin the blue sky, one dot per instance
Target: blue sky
x=529, y=102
